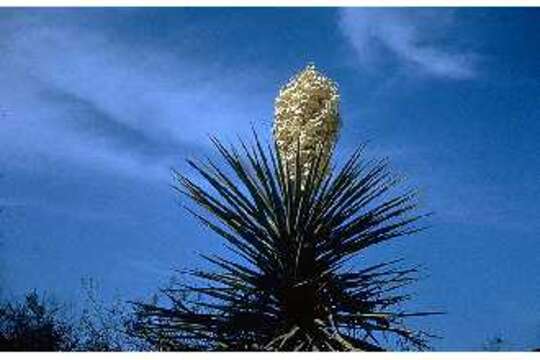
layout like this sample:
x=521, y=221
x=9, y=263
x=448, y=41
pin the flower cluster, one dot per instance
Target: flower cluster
x=306, y=119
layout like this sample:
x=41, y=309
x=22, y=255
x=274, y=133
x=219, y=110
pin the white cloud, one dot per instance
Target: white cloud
x=150, y=94
x=409, y=35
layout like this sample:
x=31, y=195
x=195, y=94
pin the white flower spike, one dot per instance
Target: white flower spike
x=306, y=118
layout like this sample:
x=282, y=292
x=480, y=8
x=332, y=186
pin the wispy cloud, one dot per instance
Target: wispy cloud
x=71, y=92
x=412, y=36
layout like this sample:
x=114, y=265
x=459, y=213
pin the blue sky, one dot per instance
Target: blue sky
x=97, y=105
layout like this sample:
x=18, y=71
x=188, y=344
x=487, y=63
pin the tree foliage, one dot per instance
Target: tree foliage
x=34, y=325
x=291, y=284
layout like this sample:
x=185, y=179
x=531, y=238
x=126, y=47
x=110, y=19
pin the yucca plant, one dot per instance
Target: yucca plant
x=296, y=226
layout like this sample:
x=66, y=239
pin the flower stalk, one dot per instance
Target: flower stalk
x=306, y=120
